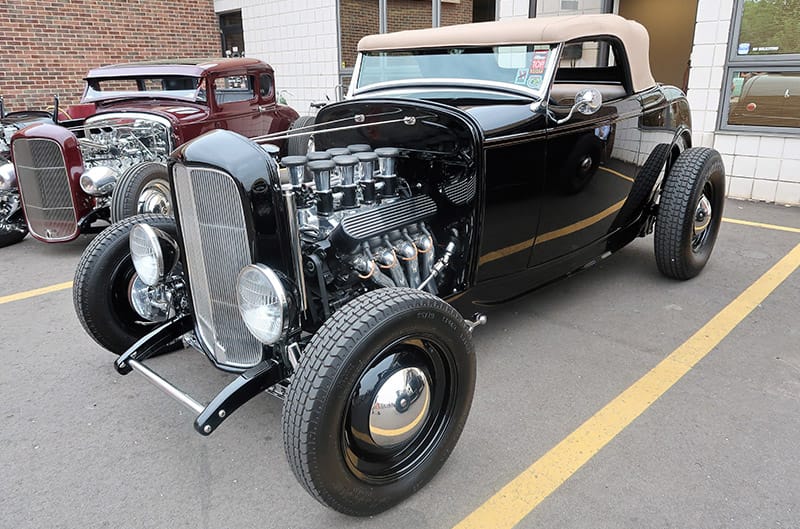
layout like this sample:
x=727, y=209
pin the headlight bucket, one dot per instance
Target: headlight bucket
x=154, y=253
x=263, y=303
x=98, y=181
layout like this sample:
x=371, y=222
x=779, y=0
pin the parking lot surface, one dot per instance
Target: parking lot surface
x=713, y=446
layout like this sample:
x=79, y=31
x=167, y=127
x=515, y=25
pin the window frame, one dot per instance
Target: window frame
x=736, y=63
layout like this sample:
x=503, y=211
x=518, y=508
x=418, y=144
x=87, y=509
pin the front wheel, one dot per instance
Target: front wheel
x=12, y=232
x=379, y=400
x=690, y=213
x=143, y=188
x=104, y=284
x=13, y=227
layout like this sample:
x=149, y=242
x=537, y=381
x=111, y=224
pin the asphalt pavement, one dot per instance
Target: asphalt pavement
x=83, y=447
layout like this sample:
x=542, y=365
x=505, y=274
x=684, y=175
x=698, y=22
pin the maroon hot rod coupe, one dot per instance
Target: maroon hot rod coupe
x=112, y=164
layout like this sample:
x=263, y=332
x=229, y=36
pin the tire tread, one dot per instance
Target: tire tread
x=317, y=373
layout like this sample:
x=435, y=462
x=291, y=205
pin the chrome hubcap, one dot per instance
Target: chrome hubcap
x=400, y=407
x=154, y=198
x=151, y=303
x=702, y=216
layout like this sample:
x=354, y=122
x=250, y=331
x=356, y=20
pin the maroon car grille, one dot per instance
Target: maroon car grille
x=44, y=184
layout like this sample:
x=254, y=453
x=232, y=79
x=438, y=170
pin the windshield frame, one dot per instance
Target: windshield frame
x=91, y=95
x=535, y=94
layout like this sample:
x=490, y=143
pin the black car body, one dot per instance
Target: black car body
x=337, y=289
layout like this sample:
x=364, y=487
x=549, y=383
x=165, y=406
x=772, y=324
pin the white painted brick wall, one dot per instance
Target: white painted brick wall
x=298, y=38
x=759, y=167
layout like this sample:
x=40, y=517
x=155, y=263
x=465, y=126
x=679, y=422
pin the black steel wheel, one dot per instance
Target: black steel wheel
x=379, y=400
x=299, y=145
x=142, y=188
x=690, y=213
x=103, y=281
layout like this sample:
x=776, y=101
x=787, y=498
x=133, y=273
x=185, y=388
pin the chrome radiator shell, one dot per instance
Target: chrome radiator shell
x=216, y=247
x=44, y=185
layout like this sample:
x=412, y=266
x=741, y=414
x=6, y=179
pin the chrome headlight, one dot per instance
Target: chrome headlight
x=263, y=303
x=98, y=181
x=8, y=178
x=148, y=259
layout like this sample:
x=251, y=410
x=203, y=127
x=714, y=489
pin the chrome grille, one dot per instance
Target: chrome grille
x=44, y=183
x=217, y=248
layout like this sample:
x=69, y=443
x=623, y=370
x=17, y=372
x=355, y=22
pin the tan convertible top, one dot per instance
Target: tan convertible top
x=542, y=30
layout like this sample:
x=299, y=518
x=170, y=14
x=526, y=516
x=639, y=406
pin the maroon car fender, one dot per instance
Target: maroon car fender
x=64, y=229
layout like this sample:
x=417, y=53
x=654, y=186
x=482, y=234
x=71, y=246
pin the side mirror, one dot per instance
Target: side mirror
x=587, y=102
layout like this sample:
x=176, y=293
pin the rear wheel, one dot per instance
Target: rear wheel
x=379, y=400
x=104, y=282
x=690, y=213
x=143, y=188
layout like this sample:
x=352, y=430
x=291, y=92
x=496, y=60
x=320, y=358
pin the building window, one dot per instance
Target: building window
x=763, y=71
x=230, y=26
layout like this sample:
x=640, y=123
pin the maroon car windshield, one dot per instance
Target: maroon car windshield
x=172, y=87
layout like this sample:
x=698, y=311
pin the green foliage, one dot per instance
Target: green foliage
x=770, y=23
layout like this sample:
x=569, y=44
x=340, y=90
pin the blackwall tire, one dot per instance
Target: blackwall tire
x=693, y=197
x=298, y=145
x=102, y=281
x=12, y=233
x=143, y=180
x=331, y=437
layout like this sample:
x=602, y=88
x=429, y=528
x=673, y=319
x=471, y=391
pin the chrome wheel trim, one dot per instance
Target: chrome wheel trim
x=154, y=198
x=701, y=220
x=400, y=407
x=380, y=451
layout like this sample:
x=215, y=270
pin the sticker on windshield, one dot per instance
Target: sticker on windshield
x=539, y=61
x=534, y=81
x=522, y=76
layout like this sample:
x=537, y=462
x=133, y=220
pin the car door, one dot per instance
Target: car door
x=268, y=121
x=591, y=159
x=236, y=103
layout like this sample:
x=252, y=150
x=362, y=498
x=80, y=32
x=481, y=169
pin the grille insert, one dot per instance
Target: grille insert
x=44, y=185
x=217, y=248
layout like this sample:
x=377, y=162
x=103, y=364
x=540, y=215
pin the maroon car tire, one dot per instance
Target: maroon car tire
x=142, y=188
x=298, y=145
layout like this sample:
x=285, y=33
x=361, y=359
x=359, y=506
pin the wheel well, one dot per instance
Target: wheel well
x=684, y=138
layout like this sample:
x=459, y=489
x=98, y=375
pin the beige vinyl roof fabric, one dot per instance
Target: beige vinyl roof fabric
x=541, y=30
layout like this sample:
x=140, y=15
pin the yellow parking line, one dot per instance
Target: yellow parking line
x=518, y=498
x=616, y=173
x=761, y=225
x=35, y=292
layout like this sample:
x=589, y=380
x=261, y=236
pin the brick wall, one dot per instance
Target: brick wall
x=49, y=45
x=360, y=17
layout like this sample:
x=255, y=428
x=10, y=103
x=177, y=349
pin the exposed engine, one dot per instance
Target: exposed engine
x=361, y=226
x=119, y=141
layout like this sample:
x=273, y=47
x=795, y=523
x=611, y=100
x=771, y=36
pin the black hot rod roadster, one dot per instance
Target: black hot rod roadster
x=469, y=164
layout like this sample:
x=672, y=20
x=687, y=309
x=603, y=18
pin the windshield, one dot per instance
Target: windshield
x=173, y=87
x=524, y=67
